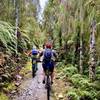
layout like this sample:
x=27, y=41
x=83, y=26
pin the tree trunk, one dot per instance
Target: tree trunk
x=92, y=64
x=81, y=37
x=60, y=38
x=77, y=46
x=16, y=20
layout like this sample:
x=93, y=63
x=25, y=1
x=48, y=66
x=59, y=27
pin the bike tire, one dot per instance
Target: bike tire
x=48, y=88
x=33, y=71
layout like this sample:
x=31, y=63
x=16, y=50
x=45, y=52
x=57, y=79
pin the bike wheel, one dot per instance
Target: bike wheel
x=48, y=88
x=33, y=73
x=33, y=70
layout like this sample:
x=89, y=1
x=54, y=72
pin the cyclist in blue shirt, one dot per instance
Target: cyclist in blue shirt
x=49, y=57
x=34, y=52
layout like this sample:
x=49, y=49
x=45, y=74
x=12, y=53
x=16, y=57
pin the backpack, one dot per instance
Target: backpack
x=47, y=54
x=34, y=52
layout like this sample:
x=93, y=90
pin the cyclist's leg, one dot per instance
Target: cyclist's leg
x=36, y=64
x=52, y=71
x=44, y=70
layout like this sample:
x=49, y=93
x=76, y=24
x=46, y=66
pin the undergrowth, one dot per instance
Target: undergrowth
x=82, y=88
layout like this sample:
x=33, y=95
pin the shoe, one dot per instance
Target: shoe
x=43, y=82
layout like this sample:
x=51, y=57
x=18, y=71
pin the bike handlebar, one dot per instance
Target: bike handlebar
x=42, y=61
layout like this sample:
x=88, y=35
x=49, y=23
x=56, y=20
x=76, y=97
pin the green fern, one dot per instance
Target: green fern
x=7, y=36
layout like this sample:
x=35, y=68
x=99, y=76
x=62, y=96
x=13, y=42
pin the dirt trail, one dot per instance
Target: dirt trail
x=32, y=88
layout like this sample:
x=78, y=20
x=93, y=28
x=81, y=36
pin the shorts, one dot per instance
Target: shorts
x=48, y=65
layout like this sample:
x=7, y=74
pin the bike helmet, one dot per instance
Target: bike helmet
x=48, y=45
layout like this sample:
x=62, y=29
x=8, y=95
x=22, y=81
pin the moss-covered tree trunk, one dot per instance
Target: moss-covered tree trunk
x=81, y=37
x=77, y=46
x=16, y=19
x=92, y=64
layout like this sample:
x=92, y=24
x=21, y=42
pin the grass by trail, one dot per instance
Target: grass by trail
x=26, y=69
x=3, y=96
x=60, y=87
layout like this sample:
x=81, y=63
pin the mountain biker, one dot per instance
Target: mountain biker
x=50, y=60
x=33, y=53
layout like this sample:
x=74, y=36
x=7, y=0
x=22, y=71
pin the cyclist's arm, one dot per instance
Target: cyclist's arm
x=29, y=53
x=40, y=54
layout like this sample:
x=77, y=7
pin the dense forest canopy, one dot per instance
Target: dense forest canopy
x=73, y=27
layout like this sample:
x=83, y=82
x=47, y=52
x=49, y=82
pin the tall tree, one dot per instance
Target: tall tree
x=16, y=17
x=92, y=61
x=81, y=36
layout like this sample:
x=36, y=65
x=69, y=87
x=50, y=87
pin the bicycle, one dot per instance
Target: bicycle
x=48, y=80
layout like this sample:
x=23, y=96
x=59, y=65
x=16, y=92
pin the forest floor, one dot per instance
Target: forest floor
x=34, y=89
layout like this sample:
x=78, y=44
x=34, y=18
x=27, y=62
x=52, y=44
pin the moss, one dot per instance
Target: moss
x=10, y=86
x=26, y=69
x=3, y=96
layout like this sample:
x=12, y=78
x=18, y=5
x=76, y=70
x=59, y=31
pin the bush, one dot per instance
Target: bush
x=75, y=79
x=98, y=72
x=85, y=95
x=69, y=71
x=66, y=70
x=96, y=85
x=79, y=81
x=85, y=89
x=60, y=64
x=72, y=95
x=98, y=95
x=79, y=94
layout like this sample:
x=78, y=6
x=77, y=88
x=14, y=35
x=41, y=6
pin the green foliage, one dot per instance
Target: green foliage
x=61, y=65
x=98, y=95
x=66, y=70
x=7, y=36
x=98, y=72
x=69, y=71
x=72, y=95
x=82, y=88
x=85, y=95
x=3, y=96
x=79, y=81
x=95, y=85
x=21, y=45
x=79, y=94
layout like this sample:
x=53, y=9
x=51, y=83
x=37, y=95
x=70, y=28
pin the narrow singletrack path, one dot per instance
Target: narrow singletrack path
x=32, y=88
